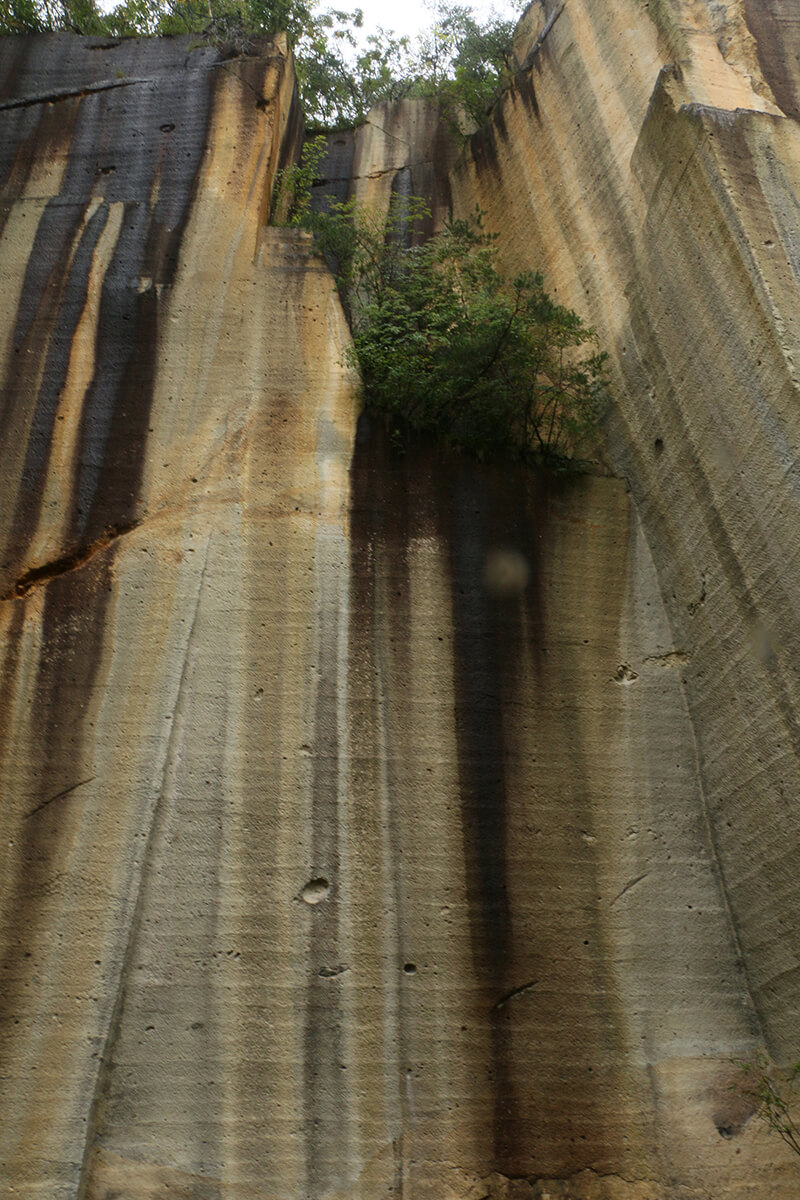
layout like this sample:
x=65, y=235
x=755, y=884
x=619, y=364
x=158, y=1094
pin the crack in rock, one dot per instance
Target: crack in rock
x=387, y=134
x=512, y=995
x=551, y=20
x=630, y=884
x=69, y=93
x=675, y=658
x=59, y=796
x=39, y=576
x=332, y=179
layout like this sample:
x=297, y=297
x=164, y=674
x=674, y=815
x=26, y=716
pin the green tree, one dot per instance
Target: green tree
x=464, y=63
x=774, y=1095
x=341, y=82
x=19, y=16
x=34, y=16
x=337, y=83
x=445, y=343
x=291, y=199
x=215, y=19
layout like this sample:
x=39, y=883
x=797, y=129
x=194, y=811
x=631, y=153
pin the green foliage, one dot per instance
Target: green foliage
x=19, y=16
x=446, y=344
x=291, y=200
x=339, y=82
x=775, y=1096
x=465, y=64
x=461, y=62
x=34, y=16
x=213, y=19
x=229, y=21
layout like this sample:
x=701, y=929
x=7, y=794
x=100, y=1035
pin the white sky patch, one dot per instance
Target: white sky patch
x=412, y=16
x=408, y=17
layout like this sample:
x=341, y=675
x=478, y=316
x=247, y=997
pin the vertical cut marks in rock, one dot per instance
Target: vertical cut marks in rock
x=775, y=25
x=486, y=525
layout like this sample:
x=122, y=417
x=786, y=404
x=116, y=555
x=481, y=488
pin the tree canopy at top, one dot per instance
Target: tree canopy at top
x=462, y=61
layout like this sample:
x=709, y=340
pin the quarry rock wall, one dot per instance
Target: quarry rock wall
x=655, y=175
x=381, y=824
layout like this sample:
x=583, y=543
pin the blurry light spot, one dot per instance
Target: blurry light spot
x=506, y=572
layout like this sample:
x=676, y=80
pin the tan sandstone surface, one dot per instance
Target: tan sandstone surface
x=656, y=179
x=391, y=825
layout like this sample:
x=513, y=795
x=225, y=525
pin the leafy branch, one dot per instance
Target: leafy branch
x=774, y=1094
x=446, y=344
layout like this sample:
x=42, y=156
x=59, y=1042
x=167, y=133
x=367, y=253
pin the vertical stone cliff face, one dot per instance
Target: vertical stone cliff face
x=406, y=148
x=380, y=825
x=653, y=170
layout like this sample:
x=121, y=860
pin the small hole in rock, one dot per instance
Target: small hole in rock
x=168, y=128
x=658, y=445
x=315, y=890
x=410, y=968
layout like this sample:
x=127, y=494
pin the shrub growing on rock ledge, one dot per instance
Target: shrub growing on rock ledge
x=774, y=1096
x=446, y=344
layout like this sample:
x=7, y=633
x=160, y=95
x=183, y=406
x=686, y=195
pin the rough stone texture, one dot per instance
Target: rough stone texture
x=389, y=825
x=655, y=175
x=406, y=148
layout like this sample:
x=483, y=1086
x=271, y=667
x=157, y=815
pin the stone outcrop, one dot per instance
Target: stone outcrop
x=392, y=825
